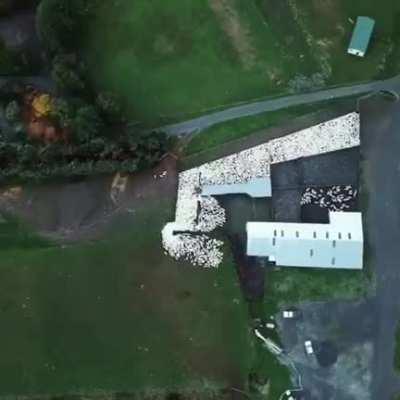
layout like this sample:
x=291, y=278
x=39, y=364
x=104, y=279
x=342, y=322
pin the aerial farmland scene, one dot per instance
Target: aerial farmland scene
x=199, y=200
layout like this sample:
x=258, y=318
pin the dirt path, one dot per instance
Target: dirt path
x=83, y=210
x=236, y=30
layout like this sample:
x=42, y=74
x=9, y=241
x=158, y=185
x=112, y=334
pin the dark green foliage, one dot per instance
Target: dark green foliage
x=86, y=116
x=13, y=61
x=110, y=106
x=23, y=161
x=61, y=23
x=12, y=111
x=64, y=112
x=86, y=124
x=68, y=74
x=81, y=119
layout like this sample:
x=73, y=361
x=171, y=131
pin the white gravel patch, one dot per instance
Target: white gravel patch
x=199, y=249
x=337, y=134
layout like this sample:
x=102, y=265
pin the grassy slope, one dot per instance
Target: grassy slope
x=77, y=319
x=171, y=58
x=174, y=59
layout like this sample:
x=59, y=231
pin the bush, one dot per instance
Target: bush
x=86, y=124
x=63, y=112
x=61, y=23
x=68, y=74
x=97, y=156
x=110, y=106
x=12, y=112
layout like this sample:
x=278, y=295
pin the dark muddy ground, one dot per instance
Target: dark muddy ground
x=83, y=210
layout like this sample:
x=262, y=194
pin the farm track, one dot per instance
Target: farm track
x=199, y=124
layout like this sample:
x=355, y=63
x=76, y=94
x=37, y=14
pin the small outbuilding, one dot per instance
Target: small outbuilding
x=361, y=36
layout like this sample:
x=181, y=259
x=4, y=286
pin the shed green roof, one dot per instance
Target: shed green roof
x=362, y=34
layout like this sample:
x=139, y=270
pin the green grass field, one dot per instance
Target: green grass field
x=174, y=59
x=118, y=316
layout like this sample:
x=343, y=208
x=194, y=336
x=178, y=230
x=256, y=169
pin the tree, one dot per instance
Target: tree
x=68, y=74
x=27, y=154
x=64, y=112
x=13, y=112
x=110, y=106
x=62, y=23
x=86, y=124
x=42, y=105
x=55, y=24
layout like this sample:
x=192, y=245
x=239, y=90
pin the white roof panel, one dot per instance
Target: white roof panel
x=338, y=244
x=257, y=187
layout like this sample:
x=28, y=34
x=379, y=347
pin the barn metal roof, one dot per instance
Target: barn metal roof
x=338, y=244
x=361, y=36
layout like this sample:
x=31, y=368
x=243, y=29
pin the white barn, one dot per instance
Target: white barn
x=338, y=244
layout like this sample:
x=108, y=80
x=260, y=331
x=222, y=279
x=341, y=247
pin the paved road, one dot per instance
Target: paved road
x=381, y=149
x=254, y=108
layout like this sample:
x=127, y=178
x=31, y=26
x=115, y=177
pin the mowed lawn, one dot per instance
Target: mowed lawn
x=174, y=59
x=177, y=58
x=118, y=316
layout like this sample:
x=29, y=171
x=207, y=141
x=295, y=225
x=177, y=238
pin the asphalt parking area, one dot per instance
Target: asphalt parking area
x=342, y=335
x=362, y=333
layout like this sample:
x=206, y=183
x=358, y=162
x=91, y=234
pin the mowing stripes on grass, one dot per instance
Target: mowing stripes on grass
x=118, y=316
x=173, y=59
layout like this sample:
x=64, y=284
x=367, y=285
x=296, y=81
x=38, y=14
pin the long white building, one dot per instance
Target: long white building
x=338, y=244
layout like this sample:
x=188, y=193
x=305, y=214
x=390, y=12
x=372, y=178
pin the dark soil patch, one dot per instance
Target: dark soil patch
x=313, y=214
x=77, y=210
x=327, y=354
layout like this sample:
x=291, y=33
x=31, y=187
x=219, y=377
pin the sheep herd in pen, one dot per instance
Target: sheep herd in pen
x=335, y=198
x=188, y=237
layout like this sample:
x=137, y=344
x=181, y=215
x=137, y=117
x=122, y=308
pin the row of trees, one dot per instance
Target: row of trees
x=98, y=139
x=20, y=160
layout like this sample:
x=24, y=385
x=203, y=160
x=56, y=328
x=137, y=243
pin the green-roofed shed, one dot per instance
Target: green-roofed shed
x=361, y=36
